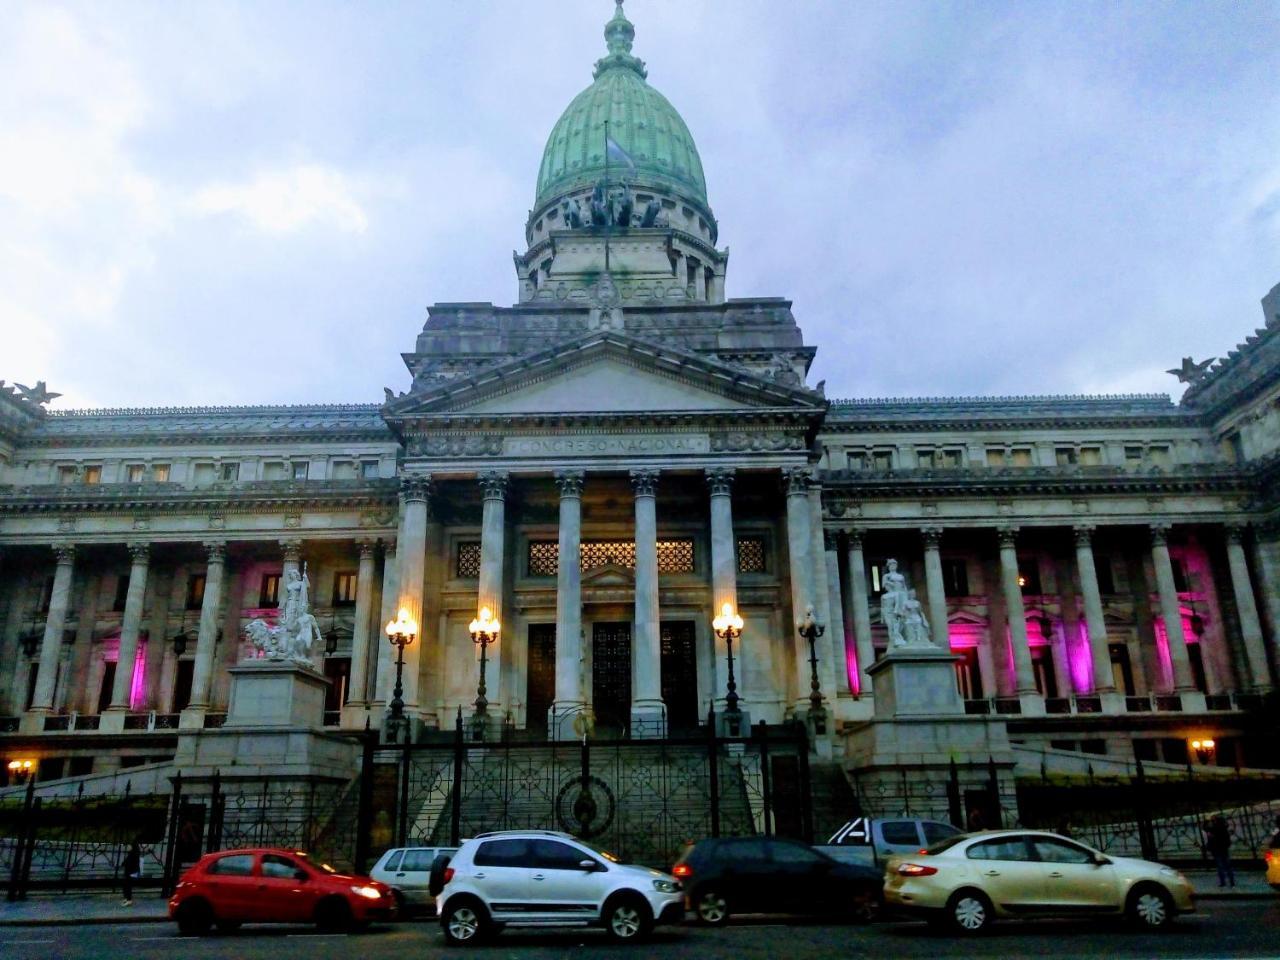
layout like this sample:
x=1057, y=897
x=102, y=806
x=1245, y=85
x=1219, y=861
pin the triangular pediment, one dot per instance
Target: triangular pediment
x=606, y=373
x=609, y=575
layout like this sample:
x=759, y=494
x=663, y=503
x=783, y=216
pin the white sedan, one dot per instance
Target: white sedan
x=968, y=881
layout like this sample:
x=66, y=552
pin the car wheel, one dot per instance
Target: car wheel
x=1151, y=907
x=464, y=923
x=333, y=914
x=969, y=912
x=195, y=917
x=228, y=926
x=867, y=906
x=711, y=907
x=627, y=919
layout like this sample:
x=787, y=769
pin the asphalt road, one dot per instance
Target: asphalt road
x=1220, y=930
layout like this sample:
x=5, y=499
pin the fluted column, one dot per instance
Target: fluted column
x=800, y=559
x=385, y=679
x=1094, y=618
x=131, y=623
x=838, y=645
x=569, y=694
x=1171, y=611
x=55, y=622
x=493, y=531
x=1024, y=676
x=647, y=709
x=939, y=631
x=724, y=569
x=207, y=637
x=415, y=493
x=1247, y=609
x=362, y=632
x=832, y=639
x=861, y=608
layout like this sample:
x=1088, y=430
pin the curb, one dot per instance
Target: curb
x=78, y=921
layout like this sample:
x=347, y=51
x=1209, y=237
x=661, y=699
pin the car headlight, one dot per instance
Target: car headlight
x=666, y=886
x=369, y=893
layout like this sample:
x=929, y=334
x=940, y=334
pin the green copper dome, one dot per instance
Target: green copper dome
x=641, y=121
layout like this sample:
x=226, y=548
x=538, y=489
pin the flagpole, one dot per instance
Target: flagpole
x=607, y=226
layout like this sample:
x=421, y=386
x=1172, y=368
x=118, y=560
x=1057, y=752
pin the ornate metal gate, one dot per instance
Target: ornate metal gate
x=611, y=674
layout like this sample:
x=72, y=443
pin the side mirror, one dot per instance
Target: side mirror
x=588, y=866
x=1101, y=861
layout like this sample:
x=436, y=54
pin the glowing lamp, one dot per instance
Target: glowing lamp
x=484, y=625
x=727, y=622
x=403, y=626
x=1203, y=748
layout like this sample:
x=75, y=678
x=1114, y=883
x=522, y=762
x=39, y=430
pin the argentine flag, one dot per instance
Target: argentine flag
x=615, y=154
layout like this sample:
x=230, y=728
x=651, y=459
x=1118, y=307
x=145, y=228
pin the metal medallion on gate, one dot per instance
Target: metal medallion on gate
x=585, y=807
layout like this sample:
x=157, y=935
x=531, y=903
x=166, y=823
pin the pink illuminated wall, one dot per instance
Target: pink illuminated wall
x=138, y=691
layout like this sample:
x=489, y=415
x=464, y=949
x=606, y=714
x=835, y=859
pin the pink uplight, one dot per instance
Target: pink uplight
x=851, y=666
x=1080, y=661
x=138, y=689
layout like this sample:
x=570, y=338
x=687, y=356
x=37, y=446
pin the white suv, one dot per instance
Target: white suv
x=537, y=878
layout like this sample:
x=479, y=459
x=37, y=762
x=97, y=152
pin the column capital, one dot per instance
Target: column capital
x=291, y=550
x=932, y=537
x=494, y=484
x=1083, y=534
x=388, y=546
x=139, y=553
x=1160, y=534
x=64, y=552
x=645, y=482
x=796, y=480
x=831, y=539
x=720, y=480
x=415, y=489
x=854, y=535
x=366, y=546
x=216, y=551
x=1007, y=536
x=570, y=483
x=1235, y=533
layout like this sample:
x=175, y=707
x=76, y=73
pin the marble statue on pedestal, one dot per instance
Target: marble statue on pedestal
x=293, y=637
x=901, y=612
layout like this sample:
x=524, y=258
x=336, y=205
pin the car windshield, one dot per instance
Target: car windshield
x=607, y=854
x=946, y=844
x=315, y=863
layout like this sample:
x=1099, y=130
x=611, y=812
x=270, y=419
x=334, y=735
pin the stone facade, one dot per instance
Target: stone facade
x=1103, y=569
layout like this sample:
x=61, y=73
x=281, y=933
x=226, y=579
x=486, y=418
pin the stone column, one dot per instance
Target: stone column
x=131, y=623
x=1171, y=610
x=291, y=551
x=835, y=613
x=1024, y=676
x=1266, y=558
x=1247, y=608
x=648, y=712
x=493, y=531
x=362, y=634
x=1095, y=621
x=724, y=574
x=832, y=639
x=55, y=622
x=857, y=576
x=384, y=679
x=939, y=631
x=800, y=560
x=569, y=694
x=411, y=558
x=207, y=638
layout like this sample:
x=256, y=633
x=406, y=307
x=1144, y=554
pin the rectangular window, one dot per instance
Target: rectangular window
x=269, y=595
x=873, y=571
x=160, y=472
x=195, y=591
x=953, y=459
x=93, y=474
x=1065, y=456
x=995, y=457
x=1132, y=456
x=857, y=460
x=751, y=555
x=230, y=472
x=369, y=469
x=1021, y=457
x=342, y=470
x=882, y=460
x=273, y=471
x=674, y=556
x=1159, y=455
x=122, y=593
x=925, y=459
x=344, y=588
x=1090, y=456
x=66, y=475
x=135, y=473
x=468, y=562
x=955, y=576
x=301, y=469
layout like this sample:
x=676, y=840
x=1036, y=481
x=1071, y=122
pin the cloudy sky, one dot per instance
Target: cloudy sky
x=224, y=202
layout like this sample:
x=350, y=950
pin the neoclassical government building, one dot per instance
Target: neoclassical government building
x=604, y=465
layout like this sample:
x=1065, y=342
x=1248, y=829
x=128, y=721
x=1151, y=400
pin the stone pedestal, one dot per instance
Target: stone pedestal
x=274, y=693
x=916, y=682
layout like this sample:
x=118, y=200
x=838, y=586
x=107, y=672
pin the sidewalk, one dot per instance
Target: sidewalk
x=1251, y=884
x=48, y=908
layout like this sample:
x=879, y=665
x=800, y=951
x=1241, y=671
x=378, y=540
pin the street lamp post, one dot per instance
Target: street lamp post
x=728, y=627
x=20, y=770
x=401, y=631
x=1203, y=749
x=811, y=630
x=484, y=631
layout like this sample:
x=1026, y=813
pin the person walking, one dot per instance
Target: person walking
x=132, y=870
x=1217, y=841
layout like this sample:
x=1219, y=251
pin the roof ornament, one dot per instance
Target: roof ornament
x=1190, y=371
x=40, y=394
x=606, y=311
x=618, y=34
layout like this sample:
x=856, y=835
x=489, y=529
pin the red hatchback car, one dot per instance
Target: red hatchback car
x=274, y=886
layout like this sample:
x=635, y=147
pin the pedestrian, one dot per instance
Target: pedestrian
x=1217, y=841
x=132, y=870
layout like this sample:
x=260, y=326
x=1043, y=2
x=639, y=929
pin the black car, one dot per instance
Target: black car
x=772, y=875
